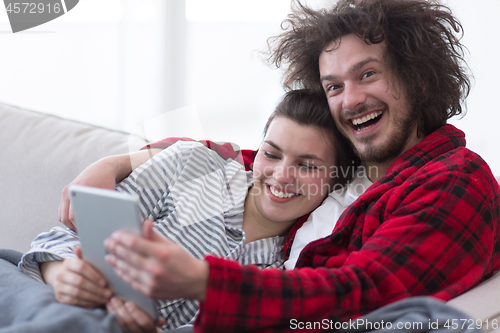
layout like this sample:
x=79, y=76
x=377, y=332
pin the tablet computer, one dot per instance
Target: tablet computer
x=99, y=213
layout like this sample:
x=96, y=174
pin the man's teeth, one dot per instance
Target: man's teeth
x=366, y=118
x=280, y=194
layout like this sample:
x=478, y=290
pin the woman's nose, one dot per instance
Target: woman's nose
x=284, y=173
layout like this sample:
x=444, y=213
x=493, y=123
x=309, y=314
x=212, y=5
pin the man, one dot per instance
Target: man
x=391, y=71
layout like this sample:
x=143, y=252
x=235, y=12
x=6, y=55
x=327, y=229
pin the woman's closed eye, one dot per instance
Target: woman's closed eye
x=308, y=167
x=270, y=155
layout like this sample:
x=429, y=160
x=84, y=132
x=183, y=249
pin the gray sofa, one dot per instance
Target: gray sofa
x=40, y=154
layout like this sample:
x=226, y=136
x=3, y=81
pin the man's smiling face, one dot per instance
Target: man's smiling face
x=369, y=107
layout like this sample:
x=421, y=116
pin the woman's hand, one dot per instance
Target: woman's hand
x=105, y=173
x=76, y=282
x=100, y=174
x=131, y=318
x=156, y=266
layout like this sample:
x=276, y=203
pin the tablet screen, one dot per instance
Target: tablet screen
x=98, y=213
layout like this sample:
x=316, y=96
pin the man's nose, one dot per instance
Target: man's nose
x=354, y=97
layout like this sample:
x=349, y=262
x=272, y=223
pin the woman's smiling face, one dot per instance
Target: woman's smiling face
x=292, y=170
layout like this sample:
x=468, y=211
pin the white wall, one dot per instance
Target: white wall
x=98, y=63
x=481, y=25
x=111, y=71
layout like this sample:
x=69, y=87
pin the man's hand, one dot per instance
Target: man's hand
x=156, y=266
x=76, y=282
x=131, y=318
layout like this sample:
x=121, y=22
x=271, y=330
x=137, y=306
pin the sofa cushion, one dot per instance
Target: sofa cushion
x=40, y=154
x=482, y=303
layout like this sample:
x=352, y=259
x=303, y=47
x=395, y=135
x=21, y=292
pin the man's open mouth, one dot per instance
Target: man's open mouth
x=366, y=121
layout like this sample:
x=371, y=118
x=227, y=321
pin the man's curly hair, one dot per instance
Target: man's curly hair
x=423, y=50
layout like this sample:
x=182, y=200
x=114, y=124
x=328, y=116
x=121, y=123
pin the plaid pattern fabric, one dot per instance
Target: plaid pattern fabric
x=428, y=227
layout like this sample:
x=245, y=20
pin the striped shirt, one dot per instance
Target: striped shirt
x=196, y=198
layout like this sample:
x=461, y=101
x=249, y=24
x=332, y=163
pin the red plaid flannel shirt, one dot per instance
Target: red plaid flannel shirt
x=428, y=227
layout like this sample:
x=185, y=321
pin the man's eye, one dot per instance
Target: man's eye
x=334, y=87
x=368, y=74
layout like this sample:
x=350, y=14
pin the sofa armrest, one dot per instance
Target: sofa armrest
x=482, y=302
x=40, y=155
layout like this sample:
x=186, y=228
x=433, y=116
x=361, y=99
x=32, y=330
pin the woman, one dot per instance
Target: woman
x=210, y=205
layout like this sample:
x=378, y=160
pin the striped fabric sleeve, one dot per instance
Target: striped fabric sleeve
x=225, y=150
x=150, y=182
x=57, y=244
x=187, y=179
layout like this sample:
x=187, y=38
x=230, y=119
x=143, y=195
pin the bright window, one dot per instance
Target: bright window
x=195, y=67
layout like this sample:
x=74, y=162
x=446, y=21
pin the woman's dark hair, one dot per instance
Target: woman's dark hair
x=423, y=50
x=310, y=108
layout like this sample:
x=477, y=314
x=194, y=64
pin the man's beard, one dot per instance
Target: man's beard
x=390, y=149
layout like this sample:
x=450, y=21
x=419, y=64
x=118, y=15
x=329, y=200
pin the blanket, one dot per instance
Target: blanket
x=415, y=314
x=27, y=305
